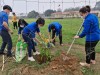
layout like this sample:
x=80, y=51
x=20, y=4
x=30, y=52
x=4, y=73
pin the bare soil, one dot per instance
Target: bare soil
x=59, y=65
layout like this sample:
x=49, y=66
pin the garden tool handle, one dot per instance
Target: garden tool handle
x=74, y=38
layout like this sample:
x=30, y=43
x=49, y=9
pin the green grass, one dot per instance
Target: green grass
x=70, y=28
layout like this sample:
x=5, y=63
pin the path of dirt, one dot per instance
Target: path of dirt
x=58, y=66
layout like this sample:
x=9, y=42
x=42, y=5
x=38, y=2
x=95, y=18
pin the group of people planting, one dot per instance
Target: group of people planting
x=29, y=31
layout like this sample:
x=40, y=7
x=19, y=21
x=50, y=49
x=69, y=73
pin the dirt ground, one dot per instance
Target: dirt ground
x=59, y=65
x=62, y=65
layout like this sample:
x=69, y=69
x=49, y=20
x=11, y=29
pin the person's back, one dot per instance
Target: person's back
x=93, y=23
x=31, y=28
x=57, y=25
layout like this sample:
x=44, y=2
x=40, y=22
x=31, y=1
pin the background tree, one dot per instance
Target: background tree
x=72, y=9
x=33, y=14
x=97, y=6
x=49, y=12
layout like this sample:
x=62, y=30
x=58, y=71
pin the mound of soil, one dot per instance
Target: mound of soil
x=61, y=65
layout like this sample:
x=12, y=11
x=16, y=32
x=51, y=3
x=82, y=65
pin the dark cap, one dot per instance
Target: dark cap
x=7, y=7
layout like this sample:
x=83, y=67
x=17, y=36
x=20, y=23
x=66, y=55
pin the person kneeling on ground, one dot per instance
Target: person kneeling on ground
x=28, y=35
x=56, y=29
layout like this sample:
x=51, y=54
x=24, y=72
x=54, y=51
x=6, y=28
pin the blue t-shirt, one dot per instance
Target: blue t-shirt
x=58, y=27
x=91, y=28
x=3, y=18
x=30, y=29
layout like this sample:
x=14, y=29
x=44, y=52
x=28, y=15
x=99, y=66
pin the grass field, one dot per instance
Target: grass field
x=70, y=28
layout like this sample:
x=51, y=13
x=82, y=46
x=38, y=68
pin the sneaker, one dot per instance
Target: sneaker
x=2, y=53
x=36, y=53
x=85, y=64
x=9, y=54
x=31, y=59
x=93, y=62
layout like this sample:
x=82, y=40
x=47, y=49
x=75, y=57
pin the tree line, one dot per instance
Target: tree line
x=34, y=14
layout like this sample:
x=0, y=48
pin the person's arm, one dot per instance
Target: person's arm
x=49, y=32
x=57, y=33
x=49, y=35
x=87, y=27
x=12, y=19
x=33, y=36
x=5, y=23
x=85, y=31
x=36, y=40
x=54, y=37
x=39, y=34
x=19, y=36
x=6, y=26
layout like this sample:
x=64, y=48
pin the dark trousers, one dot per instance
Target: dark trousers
x=6, y=38
x=15, y=25
x=0, y=33
x=90, y=51
x=30, y=43
x=60, y=36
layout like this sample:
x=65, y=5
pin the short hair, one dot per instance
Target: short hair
x=88, y=8
x=7, y=7
x=13, y=13
x=83, y=10
x=40, y=21
x=52, y=26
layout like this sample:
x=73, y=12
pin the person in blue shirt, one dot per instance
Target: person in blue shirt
x=29, y=33
x=5, y=30
x=56, y=29
x=92, y=33
x=21, y=25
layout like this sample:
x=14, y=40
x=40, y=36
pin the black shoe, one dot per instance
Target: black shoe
x=53, y=43
x=9, y=55
x=2, y=53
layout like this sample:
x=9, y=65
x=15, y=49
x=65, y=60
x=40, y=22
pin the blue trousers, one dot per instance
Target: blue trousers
x=30, y=43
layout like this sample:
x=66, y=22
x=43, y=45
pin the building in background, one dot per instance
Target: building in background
x=71, y=14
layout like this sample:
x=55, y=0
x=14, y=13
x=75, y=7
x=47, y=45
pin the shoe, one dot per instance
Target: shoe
x=9, y=54
x=93, y=62
x=2, y=53
x=31, y=59
x=61, y=44
x=85, y=64
x=36, y=53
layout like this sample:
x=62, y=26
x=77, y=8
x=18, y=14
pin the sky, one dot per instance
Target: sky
x=25, y=6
